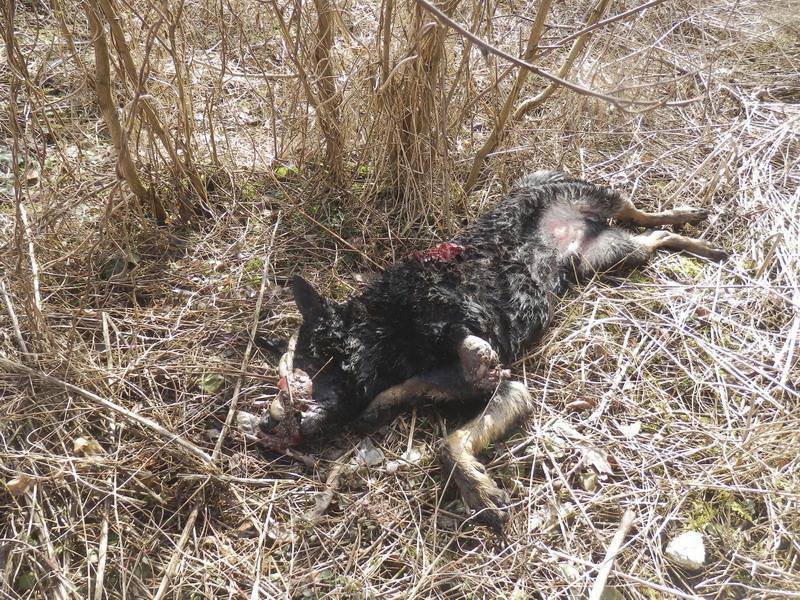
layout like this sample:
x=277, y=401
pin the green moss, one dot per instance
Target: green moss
x=637, y=277
x=701, y=514
x=249, y=191
x=720, y=512
x=254, y=265
x=684, y=267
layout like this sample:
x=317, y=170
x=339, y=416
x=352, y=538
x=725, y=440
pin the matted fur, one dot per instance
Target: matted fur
x=439, y=324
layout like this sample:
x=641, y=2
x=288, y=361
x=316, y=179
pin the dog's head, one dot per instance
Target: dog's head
x=313, y=380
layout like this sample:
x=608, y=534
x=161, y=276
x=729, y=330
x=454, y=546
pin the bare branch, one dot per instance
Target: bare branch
x=577, y=47
x=608, y=21
x=620, y=102
x=151, y=117
x=329, y=113
x=125, y=165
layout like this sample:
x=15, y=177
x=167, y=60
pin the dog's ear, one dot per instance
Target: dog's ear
x=310, y=304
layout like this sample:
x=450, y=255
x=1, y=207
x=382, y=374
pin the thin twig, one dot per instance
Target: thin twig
x=13, y=316
x=494, y=138
x=613, y=19
x=172, y=567
x=577, y=48
x=37, y=294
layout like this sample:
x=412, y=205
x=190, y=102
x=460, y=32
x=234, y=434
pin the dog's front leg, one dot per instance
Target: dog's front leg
x=508, y=407
x=446, y=384
x=480, y=364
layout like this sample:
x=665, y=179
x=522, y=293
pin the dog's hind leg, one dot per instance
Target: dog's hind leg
x=613, y=249
x=477, y=374
x=666, y=240
x=506, y=410
x=680, y=215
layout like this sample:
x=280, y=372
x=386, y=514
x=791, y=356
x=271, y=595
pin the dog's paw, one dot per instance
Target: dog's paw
x=489, y=504
x=688, y=214
x=485, y=500
x=480, y=363
x=711, y=252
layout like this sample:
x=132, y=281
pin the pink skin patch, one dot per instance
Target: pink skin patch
x=566, y=234
x=444, y=252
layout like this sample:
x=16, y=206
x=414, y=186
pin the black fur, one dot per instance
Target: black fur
x=496, y=280
x=410, y=319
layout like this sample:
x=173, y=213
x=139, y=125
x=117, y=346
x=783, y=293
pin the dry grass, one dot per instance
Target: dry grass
x=683, y=377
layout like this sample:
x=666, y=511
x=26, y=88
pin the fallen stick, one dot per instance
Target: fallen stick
x=611, y=553
x=324, y=498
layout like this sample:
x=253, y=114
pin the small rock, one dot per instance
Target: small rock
x=568, y=572
x=589, y=480
x=630, y=430
x=246, y=422
x=368, y=454
x=412, y=456
x=687, y=551
x=211, y=434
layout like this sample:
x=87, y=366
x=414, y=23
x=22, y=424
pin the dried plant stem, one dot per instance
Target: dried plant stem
x=618, y=17
x=497, y=132
x=325, y=497
x=617, y=101
x=37, y=294
x=62, y=586
x=186, y=165
x=174, y=562
x=249, y=349
x=151, y=117
x=125, y=165
x=386, y=40
x=13, y=316
x=577, y=48
x=330, y=98
x=102, y=556
x=23, y=234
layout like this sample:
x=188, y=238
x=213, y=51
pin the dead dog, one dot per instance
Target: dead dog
x=441, y=324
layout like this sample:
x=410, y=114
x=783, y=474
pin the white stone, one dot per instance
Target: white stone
x=368, y=454
x=246, y=422
x=687, y=550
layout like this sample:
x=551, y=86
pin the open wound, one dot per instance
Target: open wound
x=444, y=252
